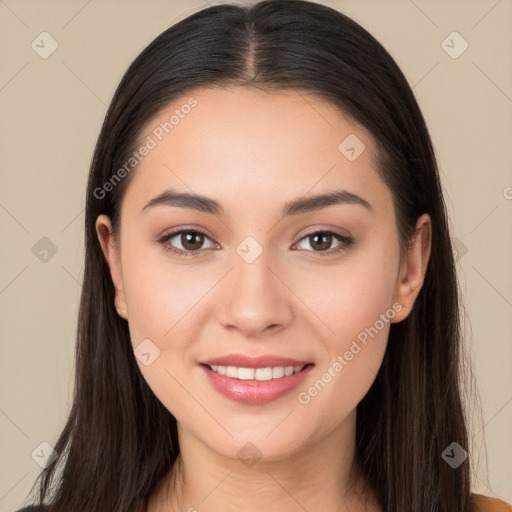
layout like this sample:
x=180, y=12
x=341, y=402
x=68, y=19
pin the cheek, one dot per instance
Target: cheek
x=353, y=303
x=160, y=289
x=338, y=302
x=342, y=298
x=349, y=297
x=354, y=357
x=164, y=301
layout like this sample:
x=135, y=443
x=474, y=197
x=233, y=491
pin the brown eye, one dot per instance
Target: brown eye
x=321, y=241
x=191, y=240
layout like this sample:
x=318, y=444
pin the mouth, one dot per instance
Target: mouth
x=257, y=374
x=255, y=386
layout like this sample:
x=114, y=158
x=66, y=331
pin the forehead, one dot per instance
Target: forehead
x=256, y=147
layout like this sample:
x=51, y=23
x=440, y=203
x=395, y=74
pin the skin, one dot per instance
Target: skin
x=253, y=152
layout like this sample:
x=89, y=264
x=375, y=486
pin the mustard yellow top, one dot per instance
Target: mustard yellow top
x=487, y=504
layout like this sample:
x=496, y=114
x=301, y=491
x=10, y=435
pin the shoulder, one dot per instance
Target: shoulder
x=488, y=504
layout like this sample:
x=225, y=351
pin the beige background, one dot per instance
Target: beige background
x=52, y=110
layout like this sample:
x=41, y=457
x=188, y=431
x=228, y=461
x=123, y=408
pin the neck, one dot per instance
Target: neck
x=315, y=478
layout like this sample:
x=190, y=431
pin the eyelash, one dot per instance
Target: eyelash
x=345, y=242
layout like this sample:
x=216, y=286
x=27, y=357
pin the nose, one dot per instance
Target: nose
x=255, y=298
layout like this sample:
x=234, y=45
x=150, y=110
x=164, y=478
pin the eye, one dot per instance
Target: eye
x=191, y=241
x=323, y=239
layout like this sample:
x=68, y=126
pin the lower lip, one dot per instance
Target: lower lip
x=255, y=392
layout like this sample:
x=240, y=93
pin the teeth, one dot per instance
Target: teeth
x=246, y=373
x=267, y=373
x=278, y=372
x=232, y=371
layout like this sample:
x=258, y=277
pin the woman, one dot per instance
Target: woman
x=269, y=317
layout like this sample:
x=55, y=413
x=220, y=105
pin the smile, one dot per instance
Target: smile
x=255, y=386
x=268, y=373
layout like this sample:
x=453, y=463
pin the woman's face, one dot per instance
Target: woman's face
x=255, y=284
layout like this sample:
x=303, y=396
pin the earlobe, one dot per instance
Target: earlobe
x=414, y=267
x=111, y=253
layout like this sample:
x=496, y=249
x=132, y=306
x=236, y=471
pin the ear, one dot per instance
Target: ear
x=413, y=268
x=112, y=254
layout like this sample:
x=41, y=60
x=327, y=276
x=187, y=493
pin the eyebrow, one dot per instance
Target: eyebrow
x=295, y=207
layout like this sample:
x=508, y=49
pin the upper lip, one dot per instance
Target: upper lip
x=264, y=361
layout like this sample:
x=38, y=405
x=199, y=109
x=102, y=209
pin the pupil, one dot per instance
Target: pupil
x=189, y=240
x=324, y=245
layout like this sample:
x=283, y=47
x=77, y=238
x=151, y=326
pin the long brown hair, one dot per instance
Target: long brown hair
x=119, y=440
